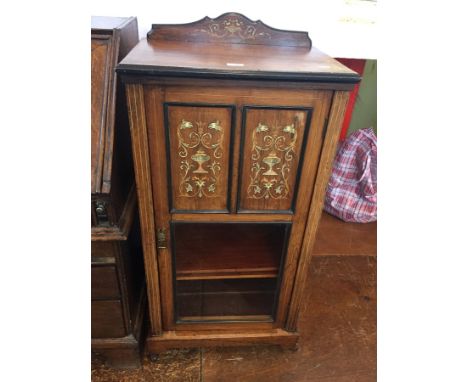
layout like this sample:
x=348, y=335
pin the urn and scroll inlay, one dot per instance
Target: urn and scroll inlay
x=273, y=143
x=196, y=180
x=198, y=143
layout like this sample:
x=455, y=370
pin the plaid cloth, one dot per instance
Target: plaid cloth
x=352, y=189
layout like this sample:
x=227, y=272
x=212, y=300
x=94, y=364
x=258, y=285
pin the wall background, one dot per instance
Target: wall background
x=365, y=108
x=340, y=28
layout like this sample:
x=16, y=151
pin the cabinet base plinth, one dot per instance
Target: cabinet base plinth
x=119, y=353
x=172, y=340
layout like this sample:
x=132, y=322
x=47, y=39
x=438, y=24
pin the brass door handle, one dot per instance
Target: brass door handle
x=161, y=238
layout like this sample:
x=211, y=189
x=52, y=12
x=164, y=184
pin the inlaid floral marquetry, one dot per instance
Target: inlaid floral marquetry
x=199, y=151
x=229, y=28
x=235, y=26
x=272, y=146
x=200, y=170
x=273, y=151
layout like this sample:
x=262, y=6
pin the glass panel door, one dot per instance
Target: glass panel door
x=227, y=271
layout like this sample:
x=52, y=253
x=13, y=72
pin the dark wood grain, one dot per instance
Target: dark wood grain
x=111, y=38
x=229, y=28
x=170, y=58
x=103, y=249
x=123, y=352
x=100, y=72
x=104, y=282
x=107, y=319
x=111, y=162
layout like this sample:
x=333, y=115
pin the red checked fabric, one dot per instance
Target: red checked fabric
x=352, y=189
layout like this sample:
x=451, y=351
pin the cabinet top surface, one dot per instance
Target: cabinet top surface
x=204, y=48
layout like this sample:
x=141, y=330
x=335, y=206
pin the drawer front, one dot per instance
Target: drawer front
x=107, y=319
x=199, y=142
x=104, y=282
x=272, y=146
x=104, y=251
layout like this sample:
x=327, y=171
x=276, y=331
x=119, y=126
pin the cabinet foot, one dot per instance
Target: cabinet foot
x=153, y=357
x=118, y=358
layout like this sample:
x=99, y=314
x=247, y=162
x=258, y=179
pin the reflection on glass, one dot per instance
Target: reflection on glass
x=227, y=271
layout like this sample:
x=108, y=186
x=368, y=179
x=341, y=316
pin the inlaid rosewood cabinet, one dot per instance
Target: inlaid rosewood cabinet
x=117, y=274
x=234, y=127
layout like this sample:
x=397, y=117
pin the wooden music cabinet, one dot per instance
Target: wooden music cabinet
x=117, y=275
x=234, y=129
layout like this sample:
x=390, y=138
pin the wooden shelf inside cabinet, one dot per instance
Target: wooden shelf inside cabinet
x=226, y=300
x=234, y=130
x=206, y=251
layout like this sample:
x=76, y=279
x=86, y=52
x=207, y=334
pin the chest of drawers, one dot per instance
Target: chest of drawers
x=117, y=276
x=234, y=129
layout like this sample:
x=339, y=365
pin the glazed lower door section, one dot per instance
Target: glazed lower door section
x=227, y=272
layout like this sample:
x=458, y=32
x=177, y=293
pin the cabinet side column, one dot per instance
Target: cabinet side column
x=338, y=108
x=145, y=201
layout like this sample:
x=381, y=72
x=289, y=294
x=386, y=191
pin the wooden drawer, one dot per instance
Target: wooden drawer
x=104, y=282
x=107, y=319
x=103, y=250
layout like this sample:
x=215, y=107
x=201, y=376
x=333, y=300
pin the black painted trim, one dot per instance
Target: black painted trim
x=279, y=281
x=166, y=106
x=174, y=272
x=307, y=124
x=146, y=70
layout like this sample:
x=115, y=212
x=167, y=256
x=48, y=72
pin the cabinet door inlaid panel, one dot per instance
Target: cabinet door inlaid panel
x=272, y=146
x=198, y=143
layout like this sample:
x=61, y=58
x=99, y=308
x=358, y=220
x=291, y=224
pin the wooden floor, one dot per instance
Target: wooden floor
x=337, y=326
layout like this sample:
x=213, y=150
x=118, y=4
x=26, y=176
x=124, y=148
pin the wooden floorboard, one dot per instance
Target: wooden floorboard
x=337, y=327
x=336, y=237
x=337, y=344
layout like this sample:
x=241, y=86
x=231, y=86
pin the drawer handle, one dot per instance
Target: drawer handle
x=101, y=213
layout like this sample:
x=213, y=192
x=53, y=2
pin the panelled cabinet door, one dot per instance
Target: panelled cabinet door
x=273, y=141
x=199, y=141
